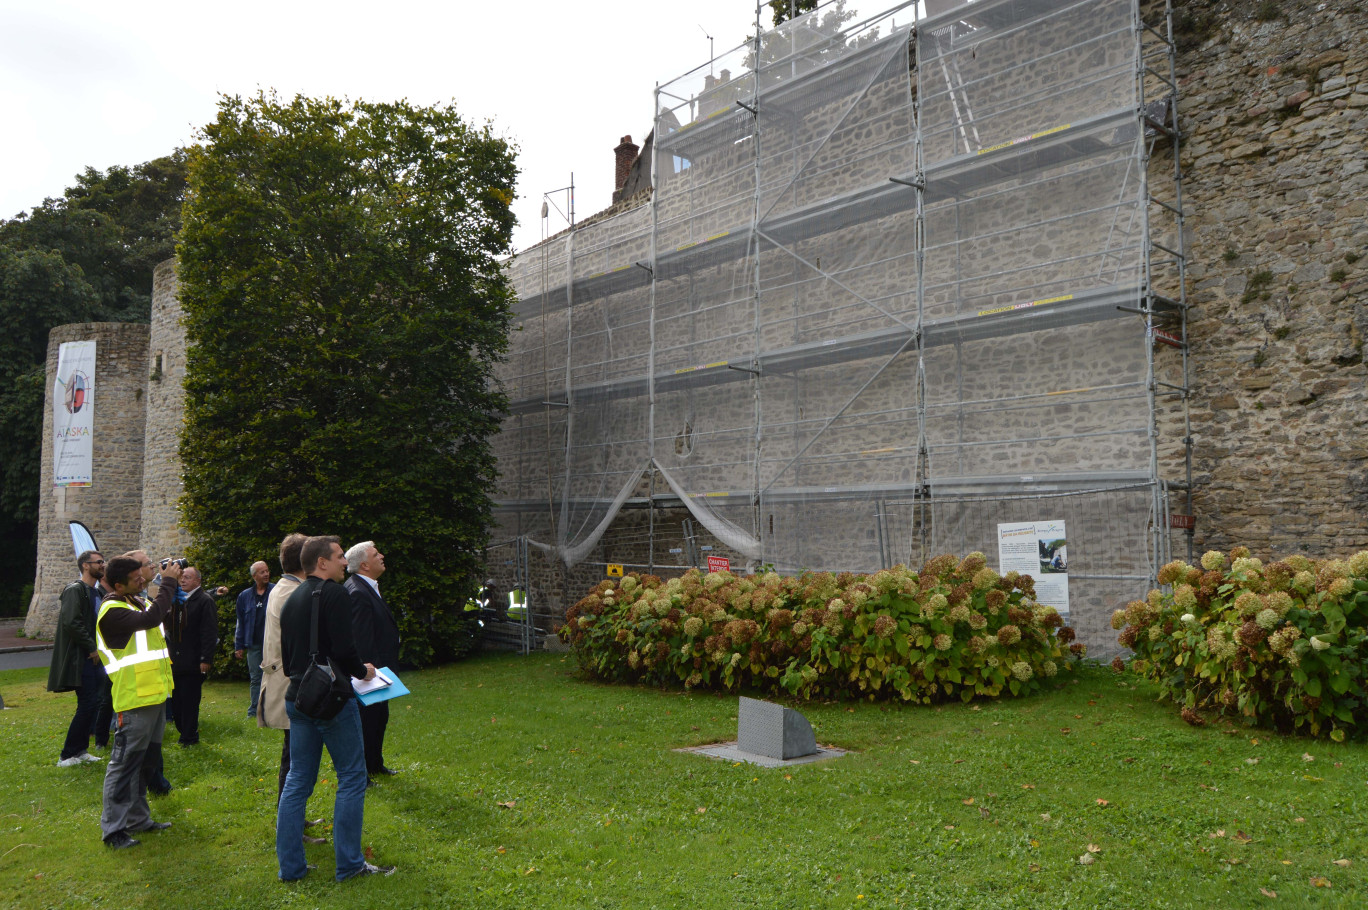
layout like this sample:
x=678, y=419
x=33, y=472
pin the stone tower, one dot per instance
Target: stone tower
x=161, y=531
x=112, y=506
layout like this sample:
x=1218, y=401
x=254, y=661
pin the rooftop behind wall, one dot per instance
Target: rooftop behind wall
x=895, y=286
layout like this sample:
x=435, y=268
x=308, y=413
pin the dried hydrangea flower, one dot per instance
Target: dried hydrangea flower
x=1048, y=668
x=1022, y=670
x=977, y=621
x=692, y=626
x=1118, y=620
x=1008, y=636
x=1267, y=619
x=1213, y=560
x=942, y=642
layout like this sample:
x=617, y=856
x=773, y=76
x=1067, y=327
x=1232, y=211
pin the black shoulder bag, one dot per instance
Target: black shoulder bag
x=325, y=688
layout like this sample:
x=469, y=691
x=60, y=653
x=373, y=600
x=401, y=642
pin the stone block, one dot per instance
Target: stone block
x=773, y=730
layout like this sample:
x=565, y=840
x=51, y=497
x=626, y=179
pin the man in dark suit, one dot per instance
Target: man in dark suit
x=191, y=636
x=377, y=641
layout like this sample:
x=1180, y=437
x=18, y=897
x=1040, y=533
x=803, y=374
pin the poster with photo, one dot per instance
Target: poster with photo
x=1039, y=549
x=73, y=415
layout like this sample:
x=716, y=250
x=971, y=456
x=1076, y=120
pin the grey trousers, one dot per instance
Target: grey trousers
x=125, y=790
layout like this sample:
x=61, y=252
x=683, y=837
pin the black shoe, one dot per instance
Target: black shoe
x=372, y=869
x=190, y=742
x=156, y=826
x=370, y=782
x=158, y=791
x=385, y=770
x=120, y=839
x=311, y=823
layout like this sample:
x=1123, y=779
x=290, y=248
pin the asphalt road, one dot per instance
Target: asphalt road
x=21, y=660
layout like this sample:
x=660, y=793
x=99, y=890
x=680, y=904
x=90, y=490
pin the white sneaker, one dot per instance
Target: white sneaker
x=69, y=762
x=87, y=757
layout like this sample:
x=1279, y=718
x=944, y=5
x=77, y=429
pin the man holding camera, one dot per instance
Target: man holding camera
x=133, y=652
x=191, y=635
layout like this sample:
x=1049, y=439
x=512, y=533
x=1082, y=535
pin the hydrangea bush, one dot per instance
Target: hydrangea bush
x=956, y=629
x=1280, y=645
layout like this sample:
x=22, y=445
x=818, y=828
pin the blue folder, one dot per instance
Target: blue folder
x=393, y=690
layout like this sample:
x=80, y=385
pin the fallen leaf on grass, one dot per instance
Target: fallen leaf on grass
x=1241, y=838
x=1209, y=787
x=1044, y=816
x=968, y=802
x=1320, y=881
x=1220, y=832
x=1034, y=842
x=1034, y=867
x=1028, y=786
x=1307, y=756
x=1232, y=860
x=949, y=827
x=370, y=854
x=1103, y=802
x=530, y=870
x=507, y=805
x=501, y=851
x=1251, y=761
x=1344, y=863
x=1313, y=779
x=1078, y=717
x=914, y=761
x=1266, y=893
x=1093, y=848
x=1087, y=859
x=1065, y=731
x=701, y=810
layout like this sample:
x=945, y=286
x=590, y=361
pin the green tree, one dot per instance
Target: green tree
x=784, y=10
x=84, y=257
x=344, y=306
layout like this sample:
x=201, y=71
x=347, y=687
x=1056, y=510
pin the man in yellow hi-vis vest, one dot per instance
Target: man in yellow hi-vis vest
x=135, y=657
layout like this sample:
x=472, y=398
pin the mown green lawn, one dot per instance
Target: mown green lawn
x=524, y=786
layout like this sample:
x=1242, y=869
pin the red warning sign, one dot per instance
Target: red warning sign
x=719, y=564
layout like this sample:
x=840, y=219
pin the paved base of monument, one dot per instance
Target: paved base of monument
x=730, y=752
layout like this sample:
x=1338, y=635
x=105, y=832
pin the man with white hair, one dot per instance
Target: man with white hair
x=377, y=640
x=250, y=634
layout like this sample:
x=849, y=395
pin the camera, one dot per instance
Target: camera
x=183, y=563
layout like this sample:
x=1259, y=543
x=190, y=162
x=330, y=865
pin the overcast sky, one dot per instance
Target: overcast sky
x=100, y=83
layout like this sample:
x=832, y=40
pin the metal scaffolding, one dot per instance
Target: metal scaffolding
x=895, y=285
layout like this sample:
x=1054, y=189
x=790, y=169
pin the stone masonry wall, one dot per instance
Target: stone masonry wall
x=1276, y=157
x=111, y=506
x=162, y=535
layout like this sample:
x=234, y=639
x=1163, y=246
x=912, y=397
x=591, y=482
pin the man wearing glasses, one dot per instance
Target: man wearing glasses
x=75, y=659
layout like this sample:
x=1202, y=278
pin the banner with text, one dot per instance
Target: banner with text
x=73, y=415
x=1039, y=549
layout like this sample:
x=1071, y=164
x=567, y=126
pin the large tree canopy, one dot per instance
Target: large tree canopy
x=86, y=257
x=344, y=307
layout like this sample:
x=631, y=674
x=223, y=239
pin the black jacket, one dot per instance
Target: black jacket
x=335, y=639
x=192, y=632
x=75, y=638
x=377, y=634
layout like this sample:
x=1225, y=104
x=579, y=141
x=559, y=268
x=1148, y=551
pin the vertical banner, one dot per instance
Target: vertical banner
x=73, y=414
x=1039, y=549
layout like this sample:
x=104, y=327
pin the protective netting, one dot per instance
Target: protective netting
x=884, y=299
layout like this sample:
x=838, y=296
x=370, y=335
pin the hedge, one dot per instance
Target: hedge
x=955, y=629
x=1280, y=646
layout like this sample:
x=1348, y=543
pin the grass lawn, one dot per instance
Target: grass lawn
x=523, y=786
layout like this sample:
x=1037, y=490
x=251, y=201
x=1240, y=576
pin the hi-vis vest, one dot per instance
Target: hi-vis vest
x=140, y=672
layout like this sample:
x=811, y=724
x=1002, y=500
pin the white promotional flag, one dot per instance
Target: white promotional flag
x=73, y=414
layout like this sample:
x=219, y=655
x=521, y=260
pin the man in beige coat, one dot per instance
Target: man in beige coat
x=274, y=682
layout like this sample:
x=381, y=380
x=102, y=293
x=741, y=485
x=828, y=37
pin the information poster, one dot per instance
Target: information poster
x=73, y=414
x=1039, y=549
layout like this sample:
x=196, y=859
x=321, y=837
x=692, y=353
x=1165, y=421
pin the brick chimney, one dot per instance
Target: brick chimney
x=626, y=154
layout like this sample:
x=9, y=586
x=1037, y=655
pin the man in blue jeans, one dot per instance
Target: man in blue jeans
x=250, y=632
x=322, y=558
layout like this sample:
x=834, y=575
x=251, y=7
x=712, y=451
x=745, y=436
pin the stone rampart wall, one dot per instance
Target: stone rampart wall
x=111, y=507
